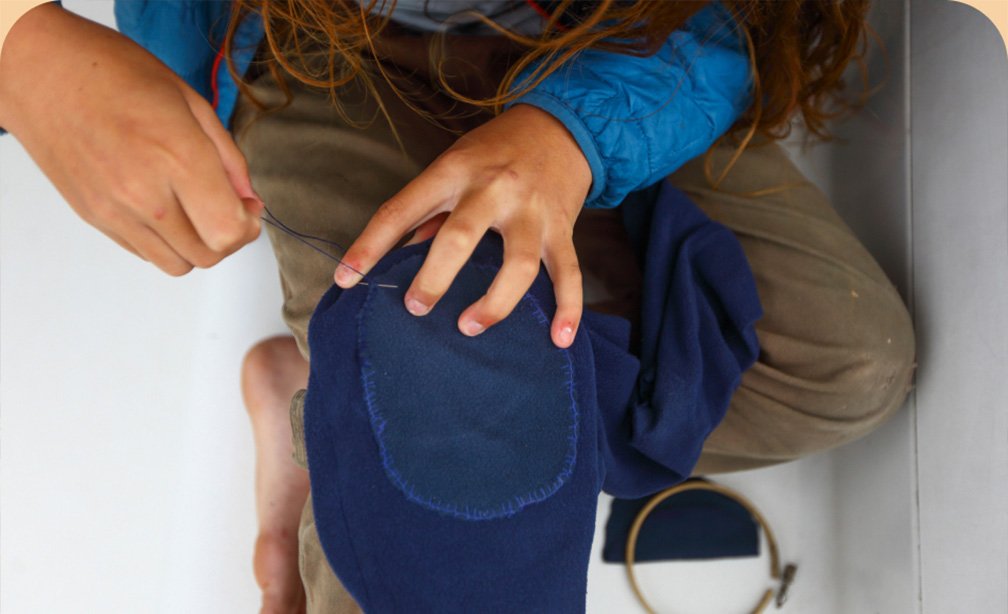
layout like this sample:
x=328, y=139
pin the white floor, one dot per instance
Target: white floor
x=126, y=458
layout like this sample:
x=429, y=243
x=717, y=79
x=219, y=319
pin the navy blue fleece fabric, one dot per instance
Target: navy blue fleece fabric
x=452, y=474
x=699, y=308
x=394, y=551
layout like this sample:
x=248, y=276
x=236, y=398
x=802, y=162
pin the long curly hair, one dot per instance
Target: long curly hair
x=799, y=51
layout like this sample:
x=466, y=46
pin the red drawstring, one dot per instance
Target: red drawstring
x=545, y=15
x=213, y=78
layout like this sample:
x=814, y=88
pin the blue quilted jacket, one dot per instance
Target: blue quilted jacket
x=636, y=119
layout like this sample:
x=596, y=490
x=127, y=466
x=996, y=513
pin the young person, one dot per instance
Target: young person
x=363, y=122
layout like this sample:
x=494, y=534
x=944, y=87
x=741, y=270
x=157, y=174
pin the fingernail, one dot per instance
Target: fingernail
x=345, y=277
x=567, y=335
x=416, y=307
x=472, y=328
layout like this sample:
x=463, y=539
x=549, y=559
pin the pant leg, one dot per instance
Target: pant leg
x=325, y=174
x=836, y=341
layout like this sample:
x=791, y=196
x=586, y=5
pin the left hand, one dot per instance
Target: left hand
x=521, y=174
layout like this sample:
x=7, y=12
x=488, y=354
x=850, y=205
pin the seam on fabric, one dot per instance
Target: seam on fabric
x=378, y=424
x=342, y=509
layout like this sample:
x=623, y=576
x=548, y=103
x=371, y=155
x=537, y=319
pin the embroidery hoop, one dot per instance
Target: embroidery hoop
x=783, y=578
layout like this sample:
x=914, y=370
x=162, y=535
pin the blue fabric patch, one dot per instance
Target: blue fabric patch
x=458, y=433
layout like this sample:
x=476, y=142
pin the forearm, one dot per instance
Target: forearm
x=10, y=12
x=19, y=46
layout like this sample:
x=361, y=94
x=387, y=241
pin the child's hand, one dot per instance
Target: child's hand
x=521, y=174
x=134, y=150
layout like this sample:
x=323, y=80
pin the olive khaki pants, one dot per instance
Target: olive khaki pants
x=837, y=343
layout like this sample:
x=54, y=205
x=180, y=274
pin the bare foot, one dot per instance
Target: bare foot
x=272, y=372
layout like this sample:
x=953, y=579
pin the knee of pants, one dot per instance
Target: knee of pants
x=880, y=373
x=776, y=416
x=837, y=356
x=847, y=386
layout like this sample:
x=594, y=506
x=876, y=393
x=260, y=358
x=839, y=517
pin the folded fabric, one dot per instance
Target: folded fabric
x=457, y=474
x=696, y=524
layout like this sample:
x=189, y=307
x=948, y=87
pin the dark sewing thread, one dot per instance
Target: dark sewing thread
x=275, y=222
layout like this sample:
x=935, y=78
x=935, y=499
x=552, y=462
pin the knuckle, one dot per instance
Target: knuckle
x=390, y=211
x=103, y=212
x=451, y=161
x=505, y=177
x=507, y=181
x=177, y=160
x=457, y=237
x=253, y=231
x=227, y=235
x=189, y=157
x=525, y=266
x=132, y=192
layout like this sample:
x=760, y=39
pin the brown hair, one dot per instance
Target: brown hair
x=798, y=50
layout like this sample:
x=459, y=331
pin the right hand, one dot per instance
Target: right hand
x=135, y=151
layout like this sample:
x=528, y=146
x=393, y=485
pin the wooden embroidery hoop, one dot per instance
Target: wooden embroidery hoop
x=783, y=578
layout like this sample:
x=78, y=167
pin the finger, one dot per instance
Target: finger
x=230, y=156
x=146, y=243
x=562, y=265
x=170, y=222
x=413, y=205
x=167, y=219
x=522, y=244
x=204, y=191
x=451, y=248
x=178, y=232
x=428, y=229
x=122, y=243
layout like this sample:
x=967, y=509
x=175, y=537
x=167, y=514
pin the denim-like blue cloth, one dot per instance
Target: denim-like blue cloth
x=456, y=474
x=455, y=432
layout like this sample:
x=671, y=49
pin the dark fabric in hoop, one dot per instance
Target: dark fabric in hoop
x=691, y=525
x=477, y=427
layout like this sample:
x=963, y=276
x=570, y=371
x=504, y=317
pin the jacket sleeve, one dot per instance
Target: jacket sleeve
x=638, y=119
x=186, y=36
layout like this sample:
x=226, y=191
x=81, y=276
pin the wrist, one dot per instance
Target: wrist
x=563, y=144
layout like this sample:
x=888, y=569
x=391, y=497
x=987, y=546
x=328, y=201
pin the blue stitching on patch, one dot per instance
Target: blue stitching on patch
x=378, y=422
